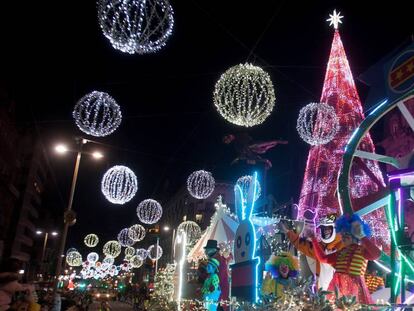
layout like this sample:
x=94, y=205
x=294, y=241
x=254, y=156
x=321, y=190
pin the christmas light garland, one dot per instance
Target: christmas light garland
x=200, y=184
x=119, y=184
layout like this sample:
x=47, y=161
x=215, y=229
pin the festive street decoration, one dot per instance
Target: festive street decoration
x=244, y=95
x=142, y=253
x=192, y=231
x=136, y=233
x=91, y=240
x=149, y=211
x=92, y=257
x=108, y=260
x=164, y=284
x=72, y=249
x=200, y=184
x=244, y=183
x=74, y=259
x=97, y=114
x=129, y=251
x=211, y=289
x=317, y=123
x=112, y=249
x=181, y=241
x=154, y=252
x=123, y=238
x=119, y=184
x=136, y=261
x=136, y=26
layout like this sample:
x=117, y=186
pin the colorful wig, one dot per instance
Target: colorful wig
x=344, y=224
x=273, y=263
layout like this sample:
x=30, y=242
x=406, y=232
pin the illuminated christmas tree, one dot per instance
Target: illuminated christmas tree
x=319, y=186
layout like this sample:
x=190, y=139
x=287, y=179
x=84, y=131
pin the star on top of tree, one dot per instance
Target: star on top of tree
x=335, y=19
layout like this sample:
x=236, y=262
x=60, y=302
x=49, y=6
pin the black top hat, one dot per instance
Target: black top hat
x=211, y=244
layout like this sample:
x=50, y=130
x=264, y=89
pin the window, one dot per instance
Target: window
x=199, y=217
x=185, y=218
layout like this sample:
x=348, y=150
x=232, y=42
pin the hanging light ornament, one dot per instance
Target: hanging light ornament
x=244, y=95
x=136, y=233
x=129, y=251
x=200, y=184
x=317, y=123
x=124, y=239
x=154, y=253
x=74, y=259
x=91, y=240
x=119, y=184
x=136, y=26
x=112, y=249
x=192, y=230
x=72, y=249
x=97, y=114
x=108, y=260
x=149, y=211
x=136, y=262
x=244, y=183
x=92, y=257
x=142, y=253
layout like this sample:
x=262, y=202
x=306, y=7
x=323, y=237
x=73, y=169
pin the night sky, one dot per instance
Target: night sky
x=53, y=53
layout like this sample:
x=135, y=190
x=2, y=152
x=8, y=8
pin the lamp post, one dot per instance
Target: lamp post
x=53, y=234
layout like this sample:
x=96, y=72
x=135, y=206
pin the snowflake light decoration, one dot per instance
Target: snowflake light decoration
x=136, y=233
x=92, y=257
x=142, y=253
x=317, y=123
x=123, y=238
x=244, y=183
x=112, y=249
x=91, y=240
x=136, y=261
x=136, y=26
x=149, y=211
x=97, y=114
x=192, y=230
x=200, y=184
x=74, y=259
x=119, y=184
x=154, y=253
x=244, y=95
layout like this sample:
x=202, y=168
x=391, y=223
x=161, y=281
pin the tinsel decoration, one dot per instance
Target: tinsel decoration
x=149, y=211
x=244, y=183
x=123, y=238
x=136, y=233
x=119, y=184
x=200, y=184
x=112, y=249
x=192, y=230
x=142, y=253
x=74, y=259
x=91, y=240
x=244, y=95
x=136, y=26
x=129, y=251
x=92, y=257
x=97, y=114
x=154, y=253
x=136, y=261
x=317, y=123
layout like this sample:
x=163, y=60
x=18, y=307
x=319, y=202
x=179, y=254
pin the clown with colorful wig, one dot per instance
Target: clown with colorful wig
x=351, y=261
x=283, y=268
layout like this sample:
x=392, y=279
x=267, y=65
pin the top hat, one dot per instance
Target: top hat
x=211, y=244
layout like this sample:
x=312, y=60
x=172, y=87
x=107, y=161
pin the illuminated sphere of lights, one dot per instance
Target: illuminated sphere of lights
x=153, y=253
x=142, y=253
x=72, y=249
x=136, y=262
x=74, y=259
x=244, y=183
x=119, y=184
x=244, y=95
x=97, y=114
x=149, y=211
x=112, y=249
x=136, y=26
x=317, y=123
x=91, y=240
x=191, y=229
x=123, y=238
x=92, y=257
x=200, y=184
x=136, y=233
x=129, y=251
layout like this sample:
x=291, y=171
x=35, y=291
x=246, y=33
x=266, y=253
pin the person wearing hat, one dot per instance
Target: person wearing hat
x=211, y=287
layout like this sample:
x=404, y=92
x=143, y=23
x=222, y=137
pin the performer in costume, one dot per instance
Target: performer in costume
x=330, y=243
x=351, y=261
x=211, y=287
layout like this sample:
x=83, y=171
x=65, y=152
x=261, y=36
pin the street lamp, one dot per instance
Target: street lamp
x=61, y=148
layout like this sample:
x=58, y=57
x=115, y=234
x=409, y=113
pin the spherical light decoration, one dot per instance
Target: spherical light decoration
x=119, y=184
x=244, y=183
x=112, y=249
x=136, y=262
x=72, y=249
x=136, y=26
x=74, y=259
x=124, y=239
x=92, y=257
x=192, y=230
x=149, y=211
x=97, y=114
x=244, y=95
x=142, y=253
x=136, y=233
x=129, y=251
x=200, y=184
x=154, y=253
x=108, y=260
x=317, y=123
x=91, y=240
